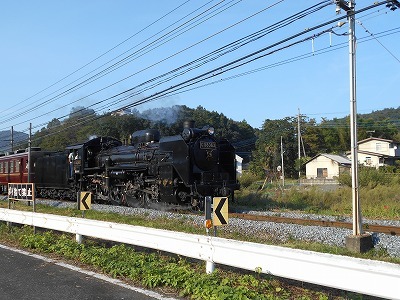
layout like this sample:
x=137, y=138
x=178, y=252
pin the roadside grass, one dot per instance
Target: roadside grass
x=377, y=202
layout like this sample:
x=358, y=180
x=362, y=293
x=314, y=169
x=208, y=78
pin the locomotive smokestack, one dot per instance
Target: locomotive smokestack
x=188, y=124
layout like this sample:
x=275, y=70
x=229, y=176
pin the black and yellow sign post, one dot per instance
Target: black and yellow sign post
x=84, y=203
x=220, y=216
x=216, y=214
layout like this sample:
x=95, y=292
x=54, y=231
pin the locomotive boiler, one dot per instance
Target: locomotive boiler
x=179, y=170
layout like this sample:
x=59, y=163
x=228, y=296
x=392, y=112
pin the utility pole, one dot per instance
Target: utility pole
x=357, y=222
x=29, y=152
x=283, y=169
x=299, y=142
x=12, y=139
x=357, y=242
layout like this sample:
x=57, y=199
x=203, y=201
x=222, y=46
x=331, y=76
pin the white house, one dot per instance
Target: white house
x=376, y=152
x=327, y=166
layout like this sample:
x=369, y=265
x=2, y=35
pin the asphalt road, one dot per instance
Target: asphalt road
x=27, y=276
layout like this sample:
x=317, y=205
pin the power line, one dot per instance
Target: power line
x=117, y=65
x=159, y=97
x=375, y=38
x=98, y=57
x=28, y=111
x=142, y=101
x=197, y=79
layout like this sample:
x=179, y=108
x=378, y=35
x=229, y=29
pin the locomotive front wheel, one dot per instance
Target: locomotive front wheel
x=116, y=196
x=136, y=199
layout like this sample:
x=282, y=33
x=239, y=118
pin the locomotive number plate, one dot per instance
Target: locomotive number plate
x=208, y=145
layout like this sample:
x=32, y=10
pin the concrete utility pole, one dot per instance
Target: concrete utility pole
x=283, y=169
x=29, y=152
x=299, y=142
x=358, y=241
x=12, y=139
x=357, y=222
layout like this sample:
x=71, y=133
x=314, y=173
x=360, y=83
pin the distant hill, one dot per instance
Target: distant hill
x=390, y=114
x=386, y=113
x=20, y=140
x=383, y=123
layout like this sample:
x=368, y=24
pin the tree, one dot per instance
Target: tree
x=53, y=123
x=267, y=156
x=80, y=111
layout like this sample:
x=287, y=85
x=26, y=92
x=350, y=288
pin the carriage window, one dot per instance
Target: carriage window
x=17, y=166
x=6, y=167
x=12, y=166
x=1, y=168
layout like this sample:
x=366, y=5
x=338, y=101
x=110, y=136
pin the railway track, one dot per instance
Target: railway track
x=392, y=230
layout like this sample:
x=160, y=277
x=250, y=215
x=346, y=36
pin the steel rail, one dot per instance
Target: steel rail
x=392, y=230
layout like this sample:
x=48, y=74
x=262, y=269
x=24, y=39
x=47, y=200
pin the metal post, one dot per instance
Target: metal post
x=283, y=169
x=12, y=138
x=357, y=225
x=29, y=152
x=298, y=143
x=79, y=238
x=210, y=265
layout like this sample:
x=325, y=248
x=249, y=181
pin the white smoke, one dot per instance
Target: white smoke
x=168, y=115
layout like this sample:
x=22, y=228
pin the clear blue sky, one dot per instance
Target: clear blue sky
x=42, y=42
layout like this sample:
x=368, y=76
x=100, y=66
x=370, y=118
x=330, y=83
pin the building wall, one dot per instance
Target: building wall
x=383, y=147
x=380, y=146
x=375, y=146
x=369, y=160
x=322, y=163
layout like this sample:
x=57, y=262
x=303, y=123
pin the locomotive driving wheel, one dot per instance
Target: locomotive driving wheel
x=135, y=199
x=117, y=196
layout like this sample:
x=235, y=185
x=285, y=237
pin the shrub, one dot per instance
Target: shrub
x=371, y=177
x=247, y=179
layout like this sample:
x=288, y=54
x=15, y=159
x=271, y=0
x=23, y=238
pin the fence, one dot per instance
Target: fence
x=319, y=181
x=369, y=277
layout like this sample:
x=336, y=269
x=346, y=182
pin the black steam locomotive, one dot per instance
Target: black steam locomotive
x=177, y=171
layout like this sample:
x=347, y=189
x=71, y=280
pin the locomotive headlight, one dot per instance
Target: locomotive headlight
x=210, y=130
x=187, y=134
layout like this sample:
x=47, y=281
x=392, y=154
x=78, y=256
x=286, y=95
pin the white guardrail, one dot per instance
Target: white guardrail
x=369, y=277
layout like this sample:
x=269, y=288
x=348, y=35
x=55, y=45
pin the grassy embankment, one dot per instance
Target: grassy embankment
x=379, y=196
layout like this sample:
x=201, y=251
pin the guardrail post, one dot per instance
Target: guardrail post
x=210, y=266
x=79, y=238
